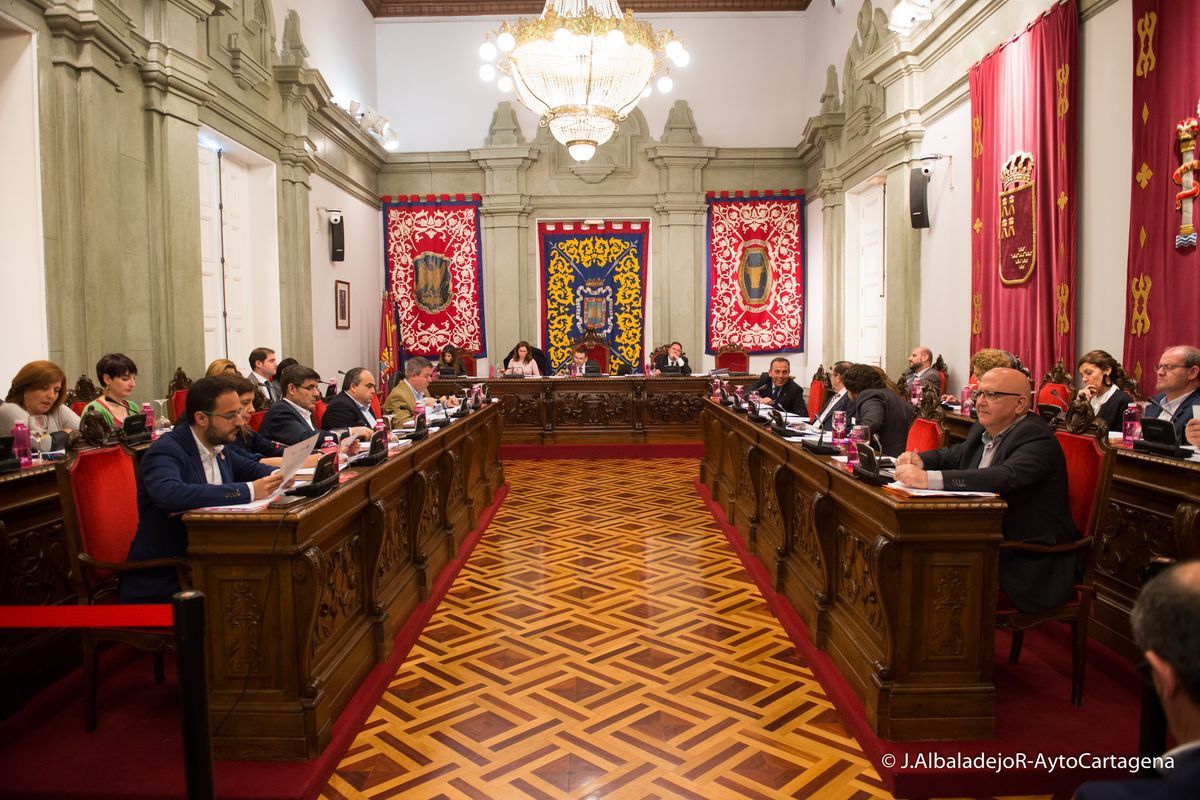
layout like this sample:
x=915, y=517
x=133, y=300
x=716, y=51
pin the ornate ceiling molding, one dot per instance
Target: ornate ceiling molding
x=531, y=8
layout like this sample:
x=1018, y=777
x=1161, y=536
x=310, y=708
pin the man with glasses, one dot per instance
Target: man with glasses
x=410, y=392
x=1014, y=454
x=189, y=468
x=1178, y=387
x=291, y=419
x=352, y=406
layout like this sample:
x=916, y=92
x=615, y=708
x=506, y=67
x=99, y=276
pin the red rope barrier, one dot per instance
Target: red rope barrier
x=113, y=616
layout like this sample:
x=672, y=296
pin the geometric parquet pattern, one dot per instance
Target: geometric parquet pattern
x=603, y=641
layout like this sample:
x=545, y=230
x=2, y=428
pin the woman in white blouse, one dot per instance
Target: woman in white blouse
x=522, y=362
x=38, y=389
x=1101, y=373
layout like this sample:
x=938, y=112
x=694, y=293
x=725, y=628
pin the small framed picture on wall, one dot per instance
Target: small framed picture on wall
x=341, y=304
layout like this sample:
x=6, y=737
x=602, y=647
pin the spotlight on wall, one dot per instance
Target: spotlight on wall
x=374, y=124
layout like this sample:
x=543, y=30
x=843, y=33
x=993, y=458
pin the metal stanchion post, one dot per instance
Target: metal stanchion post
x=193, y=694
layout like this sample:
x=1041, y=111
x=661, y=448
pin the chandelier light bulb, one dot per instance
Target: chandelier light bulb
x=505, y=83
x=487, y=72
x=562, y=36
x=665, y=84
x=616, y=38
x=682, y=58
x=505, y=42
x=581, y=151
x=487, y=51
x=674, y=48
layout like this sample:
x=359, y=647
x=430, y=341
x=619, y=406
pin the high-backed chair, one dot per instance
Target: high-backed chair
x=1089, y=474
x=597, y=348
x=318, y=413
x=376, y=407
x=98, y=494
x=178, y=405
x=81, y=394
x=734, y=359
x=927, y=432
x=1056, y=388
x=939, y=366
x=256, y=420
x=468, y=362
x=819, y=389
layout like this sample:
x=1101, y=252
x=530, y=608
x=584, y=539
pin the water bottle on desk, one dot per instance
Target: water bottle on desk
x=20, y=445
x=148, y=410
x=1131, y=425
x=967, y=401
x=914, y=390
x=380, y=425
x=839, y=428
x=331, y=445
x=857, y=435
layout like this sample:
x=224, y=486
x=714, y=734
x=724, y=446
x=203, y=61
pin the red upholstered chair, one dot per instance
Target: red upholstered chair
x=818, y=390
x=1089, y=473
x=78, y=408
x=318, y=413
x=1055, y=389
x=178, y=404
x=376, y=406
x=925, y=434
x=599, y=354
x=468, y=362
x=256, y=420
x=734, y=359
x=98, y=494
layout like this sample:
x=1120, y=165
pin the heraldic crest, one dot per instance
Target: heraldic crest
x=1185, y=200
x=1018, y=219
x=431, y=282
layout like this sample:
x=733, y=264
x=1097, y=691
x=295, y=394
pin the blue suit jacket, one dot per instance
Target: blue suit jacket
x=283, y=423
x=1181, y=783
x=171, y=481
x=1182, y=414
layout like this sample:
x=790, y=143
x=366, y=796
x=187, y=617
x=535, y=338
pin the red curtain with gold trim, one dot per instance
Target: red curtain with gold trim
x=1164, y=269
x=1024, y=121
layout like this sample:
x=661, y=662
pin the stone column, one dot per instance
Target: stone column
x=821, y=150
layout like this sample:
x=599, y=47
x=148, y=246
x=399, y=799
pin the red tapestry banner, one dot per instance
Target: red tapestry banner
x=432, y=250
x=1024, y=130
x=1164, y=268
x=756, y=271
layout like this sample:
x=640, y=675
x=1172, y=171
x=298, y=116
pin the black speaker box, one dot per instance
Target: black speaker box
x=337, y=240
x=918, y=197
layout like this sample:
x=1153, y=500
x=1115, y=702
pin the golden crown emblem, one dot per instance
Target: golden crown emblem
x=594, y=283
x=1017, y=170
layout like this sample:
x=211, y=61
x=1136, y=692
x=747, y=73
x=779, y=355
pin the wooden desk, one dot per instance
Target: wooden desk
x=901, y=593
x=631, y=409
x=303, y=602
x=1153, y=509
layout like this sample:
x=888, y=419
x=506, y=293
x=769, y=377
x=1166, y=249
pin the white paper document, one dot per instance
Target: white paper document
x=911, y=492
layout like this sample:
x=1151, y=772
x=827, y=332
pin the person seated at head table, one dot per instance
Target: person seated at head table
x=252, y=444
x=290, y=420
x=352, y=406
x=674, y=357
x=920, y=365
x=38, y=389
x=522, y=362
x=1013, y=453
x=118, y=378
x=580, y=364
x=1178, y=387
x=189, y=468
x=1166, y=627
x=982, y=361
x=222, y=367
x=840, y=400
x=450, y=363
x=776, y=388
x=1100, y=373
x=879, y=407
x=411, y=392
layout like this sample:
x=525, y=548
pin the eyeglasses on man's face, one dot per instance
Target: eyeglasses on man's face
x=312, y=387
x=1168, y=367
x=232, y=416
x=990, y=395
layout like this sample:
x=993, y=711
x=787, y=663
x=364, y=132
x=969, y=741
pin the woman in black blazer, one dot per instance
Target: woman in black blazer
x=880, y=407
x=1101, y=375
x=450, y=363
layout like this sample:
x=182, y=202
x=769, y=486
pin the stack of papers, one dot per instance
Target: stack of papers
x=900, y=488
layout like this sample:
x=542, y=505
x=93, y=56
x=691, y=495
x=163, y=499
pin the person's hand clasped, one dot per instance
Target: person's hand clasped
x=1192, y=432
x=911, y=475
x=267, y=485
x=909, y=457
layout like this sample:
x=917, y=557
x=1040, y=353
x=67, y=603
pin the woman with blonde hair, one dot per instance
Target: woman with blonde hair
x=222, y=368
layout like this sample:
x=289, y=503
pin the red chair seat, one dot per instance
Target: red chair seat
x=816, y=398
x=734, y=361
x=925, y=434
x=78, y=408
x=178, y=405
x=318, y=413
x=376, y=409
x=256, y=420
x=599, y=354
x=468, y=363
x=1054, y=394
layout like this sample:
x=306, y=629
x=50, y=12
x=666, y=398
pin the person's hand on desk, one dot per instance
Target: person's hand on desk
x=267, y=485
x=911, y=475
x=451, y=402
x=766, y=401
x=1192, y=432
x=910, y=457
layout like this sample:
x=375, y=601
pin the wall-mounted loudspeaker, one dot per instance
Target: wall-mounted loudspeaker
x=337, y=235
x=918, y=197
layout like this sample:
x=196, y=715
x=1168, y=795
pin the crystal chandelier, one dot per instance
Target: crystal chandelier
x=581, y=66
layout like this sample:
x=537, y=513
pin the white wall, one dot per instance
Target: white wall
x=744, y=83
x=828, y=36
x=335, y=349
x=340, y=37
x=20, y=204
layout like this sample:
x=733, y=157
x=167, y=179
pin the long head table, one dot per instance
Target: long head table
x=900, y=592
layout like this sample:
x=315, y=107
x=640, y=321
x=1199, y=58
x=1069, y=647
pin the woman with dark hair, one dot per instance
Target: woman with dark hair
x=522, y=361
x=1101, y=375
x=450, y=363
x=118, y=378
x=878, y=407
x=38, y=389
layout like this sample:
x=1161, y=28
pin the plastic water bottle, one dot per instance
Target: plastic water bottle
x=491, y=370
x=1131, y=425
x=914, y=390
x=331, y=445
x=148, y=410
x=380, y=425
x=856, y=436
x=20, y=446
x=967, y=403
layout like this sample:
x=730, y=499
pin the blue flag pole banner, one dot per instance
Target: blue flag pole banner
x=755, y=292
x=594, y=278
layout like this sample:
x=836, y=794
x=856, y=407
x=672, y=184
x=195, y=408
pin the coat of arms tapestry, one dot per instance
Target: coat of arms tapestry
x=1024, y=135
x=434, y=272
x=755, y=255
x=1164, y=267
x=594, y=279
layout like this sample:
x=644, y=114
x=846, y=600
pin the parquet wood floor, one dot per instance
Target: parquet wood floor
x=603, y=641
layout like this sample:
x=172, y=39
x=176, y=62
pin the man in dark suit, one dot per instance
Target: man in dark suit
x=1013, y=453
x=1166, y=626
x=188, y=468
x=778, y=390
x=1178, y=387
x=262, y=372
x=580, y=364
x=290, y=420
x=351, y=408
x=673, y=358
x=920, y=365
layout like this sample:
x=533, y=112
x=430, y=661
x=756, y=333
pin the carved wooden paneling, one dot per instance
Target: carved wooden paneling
x=592, y=408
x=674, y=407
x=341, y=590
x=521, y=409
x=242, y=614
